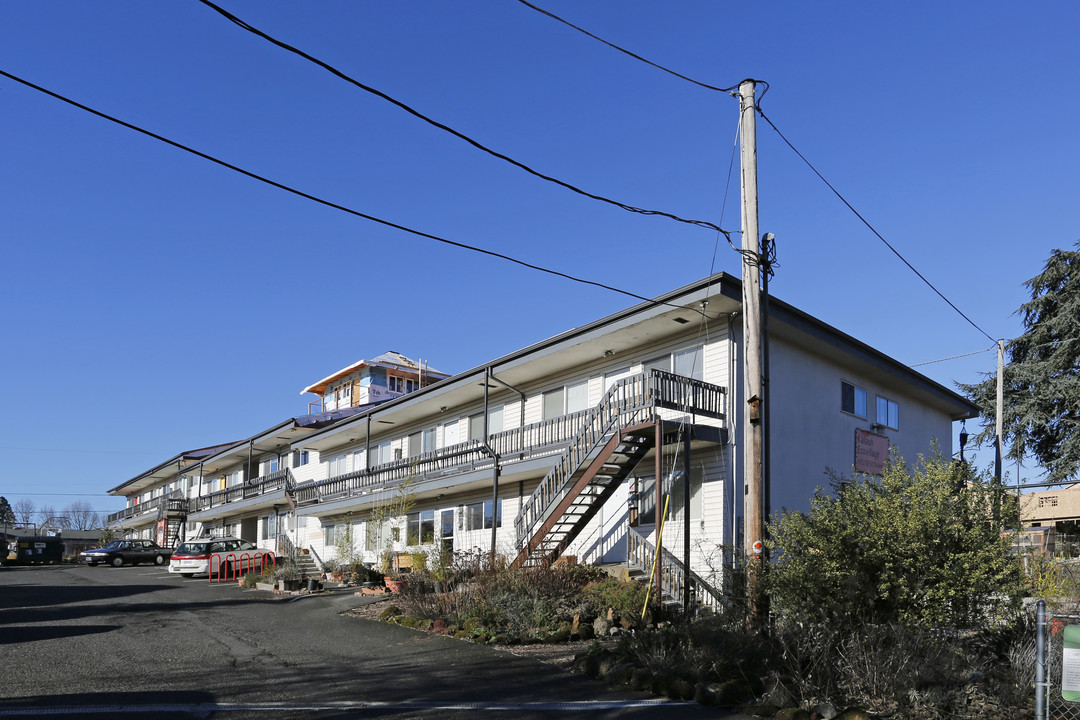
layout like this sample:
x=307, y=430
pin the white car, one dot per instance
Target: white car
x=193, y=557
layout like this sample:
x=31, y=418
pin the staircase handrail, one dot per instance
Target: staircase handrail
x=616, y=409
x=311, y=549
x=674, y=574
x=285, y=546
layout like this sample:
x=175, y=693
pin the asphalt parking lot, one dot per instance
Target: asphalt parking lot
x=136, y=641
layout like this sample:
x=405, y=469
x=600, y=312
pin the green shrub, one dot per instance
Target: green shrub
x=912, y=546
x=625, y=598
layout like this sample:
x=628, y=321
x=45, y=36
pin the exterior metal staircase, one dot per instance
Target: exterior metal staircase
x=588, y=489
x=172, y=514
x=613, y=438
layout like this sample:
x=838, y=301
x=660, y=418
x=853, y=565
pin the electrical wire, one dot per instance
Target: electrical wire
x=446, y=128
x=868, y=225
x=623, y=50
x=955, y=357
x=328, y=203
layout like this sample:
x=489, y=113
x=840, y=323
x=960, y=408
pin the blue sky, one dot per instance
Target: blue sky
x=154, y=302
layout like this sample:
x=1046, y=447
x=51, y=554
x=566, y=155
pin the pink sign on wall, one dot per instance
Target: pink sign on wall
x=871, y=451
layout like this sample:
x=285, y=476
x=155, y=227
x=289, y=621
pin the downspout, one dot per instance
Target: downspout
x=495, y=516
x=521, y=424
x=367, y=443
x=494, y=472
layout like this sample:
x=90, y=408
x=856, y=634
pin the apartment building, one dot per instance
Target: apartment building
x=588, y=444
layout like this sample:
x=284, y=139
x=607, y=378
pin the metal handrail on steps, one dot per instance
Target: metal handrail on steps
x=673, y=573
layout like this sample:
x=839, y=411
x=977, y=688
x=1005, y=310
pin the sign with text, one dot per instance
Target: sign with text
x=871, y=451
x=1070, y=664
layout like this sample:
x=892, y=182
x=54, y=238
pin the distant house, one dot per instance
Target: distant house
x=1059, y=509
x=573, y=446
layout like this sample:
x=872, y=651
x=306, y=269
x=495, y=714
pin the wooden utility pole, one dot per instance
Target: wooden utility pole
x=1000, y=411
x=753, y=390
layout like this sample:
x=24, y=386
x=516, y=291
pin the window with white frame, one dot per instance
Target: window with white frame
x=677, y=488
x=852, y=399
x=577, y=397
x=420, y=528
x=395, y=383
x=329, y=534
x=478, y=516
x=495, y=423
x=338, y=465
x=386, y=453
x=689, y=363
x=553, y=401
x=888, y=413
x=300, y=458
x=414, y=444
x=565, y=400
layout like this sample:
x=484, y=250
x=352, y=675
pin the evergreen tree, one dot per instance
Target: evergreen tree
x=7, y=515
x=1042, y=376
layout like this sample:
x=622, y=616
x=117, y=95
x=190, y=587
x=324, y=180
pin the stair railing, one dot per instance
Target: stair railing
x=626, y=402
x=673, y=574
x=285, y=546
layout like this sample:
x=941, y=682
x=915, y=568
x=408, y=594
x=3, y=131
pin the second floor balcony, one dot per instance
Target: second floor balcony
x=636, y=398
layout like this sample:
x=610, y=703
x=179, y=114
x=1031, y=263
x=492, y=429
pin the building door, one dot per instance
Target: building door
x=249, y=529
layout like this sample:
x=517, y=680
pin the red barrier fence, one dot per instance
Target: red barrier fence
x=230, y=567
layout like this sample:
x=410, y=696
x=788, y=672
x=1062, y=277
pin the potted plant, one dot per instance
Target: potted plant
x=287, y=576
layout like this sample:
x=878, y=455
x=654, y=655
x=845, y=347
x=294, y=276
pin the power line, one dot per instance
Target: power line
x=871, y=227
x=955, y=357
x=328, y=203
x=416, y=113
x=627, y=52
x=762, y=113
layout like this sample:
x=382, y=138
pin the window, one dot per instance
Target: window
x=395, y=384
x=421, y=528
x=577, y=397
x=852, y=399
x=689, y=363
x=414, y=444
x=274, y=465
x=553, y=404
x=477, y=516
x=300, y=457
x=386, y=454
x=888, y=413
x=678, y=502
x=329, y=535
x=428, y=441
x=495, y=423
x=339, y=465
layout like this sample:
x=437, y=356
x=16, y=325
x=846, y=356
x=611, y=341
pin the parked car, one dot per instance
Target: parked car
x=193, y=557
x=126, y=552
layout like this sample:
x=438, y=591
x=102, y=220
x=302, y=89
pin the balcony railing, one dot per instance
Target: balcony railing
x=548, y=437
x=275, y=482
x=174, y=502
